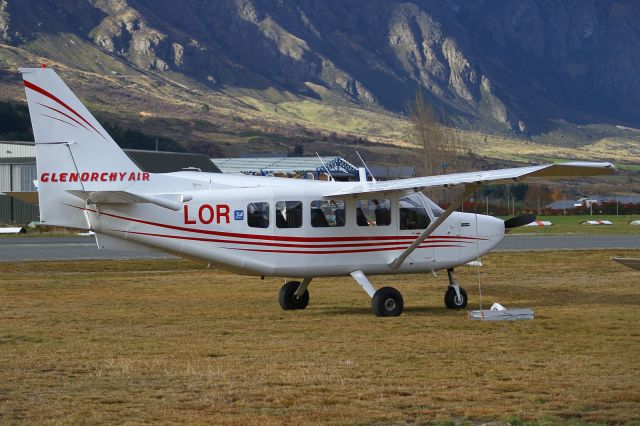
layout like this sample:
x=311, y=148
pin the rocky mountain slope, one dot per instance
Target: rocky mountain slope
x=518, y=67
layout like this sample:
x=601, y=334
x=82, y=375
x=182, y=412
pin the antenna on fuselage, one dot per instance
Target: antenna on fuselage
x=325, y=167
x=373, y=179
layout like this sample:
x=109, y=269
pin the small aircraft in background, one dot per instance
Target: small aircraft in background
x=262, y=226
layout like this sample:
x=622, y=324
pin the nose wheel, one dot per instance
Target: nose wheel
x=453, y=301
x=455, y=296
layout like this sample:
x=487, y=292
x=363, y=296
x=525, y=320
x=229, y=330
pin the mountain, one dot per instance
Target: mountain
x=524, y=67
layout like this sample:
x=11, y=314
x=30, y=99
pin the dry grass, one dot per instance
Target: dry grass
x=162, y=341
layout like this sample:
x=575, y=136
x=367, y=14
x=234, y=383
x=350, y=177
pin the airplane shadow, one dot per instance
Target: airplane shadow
x=366, y=310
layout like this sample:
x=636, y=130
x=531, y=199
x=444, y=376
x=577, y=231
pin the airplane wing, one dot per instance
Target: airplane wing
x=549, y=171
x=471, y=182
x=168, y=201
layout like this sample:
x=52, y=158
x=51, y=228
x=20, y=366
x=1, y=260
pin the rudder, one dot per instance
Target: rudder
x=73, y=151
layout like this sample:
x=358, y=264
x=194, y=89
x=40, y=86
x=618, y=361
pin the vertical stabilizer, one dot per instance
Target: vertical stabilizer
x=73, y=151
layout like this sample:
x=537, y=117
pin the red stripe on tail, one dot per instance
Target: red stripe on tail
x=54, y=98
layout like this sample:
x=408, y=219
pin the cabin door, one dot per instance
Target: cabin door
x=413, y=220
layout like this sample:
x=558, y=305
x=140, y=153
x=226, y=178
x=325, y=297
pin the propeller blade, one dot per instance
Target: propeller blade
x=521, y=220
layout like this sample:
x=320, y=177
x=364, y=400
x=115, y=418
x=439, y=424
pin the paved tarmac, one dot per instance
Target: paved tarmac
x=14, y=249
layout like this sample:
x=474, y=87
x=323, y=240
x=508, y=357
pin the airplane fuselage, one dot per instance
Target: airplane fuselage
x=285, y=227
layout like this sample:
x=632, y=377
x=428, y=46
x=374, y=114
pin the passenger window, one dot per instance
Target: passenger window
x=373, y=212
x=327, y=213
x=258, y=215
x=412, y=213
x=289, y=214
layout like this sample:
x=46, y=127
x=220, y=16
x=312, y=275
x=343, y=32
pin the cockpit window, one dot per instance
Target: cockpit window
x=413, y=215
x=437, y=211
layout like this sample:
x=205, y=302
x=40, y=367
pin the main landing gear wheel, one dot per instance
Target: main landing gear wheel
x=387, y=302
x=288, y=299
x=452, y=301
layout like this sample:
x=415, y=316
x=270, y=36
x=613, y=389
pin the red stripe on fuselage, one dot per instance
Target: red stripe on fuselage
x=338, y=251
x=395, y=247
x=54, y=98
x=409, y=238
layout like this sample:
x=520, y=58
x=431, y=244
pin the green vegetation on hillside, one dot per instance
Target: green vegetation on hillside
x=14, y=122
x=16, y=126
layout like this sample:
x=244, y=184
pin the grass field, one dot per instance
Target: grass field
x=162, y=341
x=571, y=225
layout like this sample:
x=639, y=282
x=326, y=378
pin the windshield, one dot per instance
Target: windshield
x=437, y=211
x=419, y=199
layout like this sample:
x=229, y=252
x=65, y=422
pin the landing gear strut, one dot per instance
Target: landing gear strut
x=294, y=295
x=455, y=297
x=385, y=302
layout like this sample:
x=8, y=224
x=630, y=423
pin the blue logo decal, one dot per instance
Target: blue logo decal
x=238, y=214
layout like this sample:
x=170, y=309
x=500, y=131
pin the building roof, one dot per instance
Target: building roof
x=166, y=162
x=569, y=204
x=289, y=165
x=562, y=204
x=387, y=172
x=149, y=161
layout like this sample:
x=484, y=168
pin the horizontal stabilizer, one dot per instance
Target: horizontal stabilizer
x=168, y=201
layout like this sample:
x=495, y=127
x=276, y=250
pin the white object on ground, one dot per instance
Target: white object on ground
x=539, y=223
x=498, y=307
x=597, y=222
x=634, y=222
x=507, y=314
x=18, y=230
x=473, y=263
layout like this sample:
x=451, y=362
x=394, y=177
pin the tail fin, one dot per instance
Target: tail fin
x=73, y=151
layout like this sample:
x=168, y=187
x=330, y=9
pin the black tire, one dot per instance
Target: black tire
x=451, y=301
x=387, y=302
x=288, y=300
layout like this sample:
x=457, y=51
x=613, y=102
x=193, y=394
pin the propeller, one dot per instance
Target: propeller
x=523, y=219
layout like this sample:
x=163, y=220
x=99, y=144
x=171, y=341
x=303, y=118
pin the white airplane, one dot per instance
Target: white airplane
x=261, y=226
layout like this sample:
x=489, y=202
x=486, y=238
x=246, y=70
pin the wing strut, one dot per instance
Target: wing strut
x=468, y=190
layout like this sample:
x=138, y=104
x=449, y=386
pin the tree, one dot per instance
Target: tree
x=440, y=145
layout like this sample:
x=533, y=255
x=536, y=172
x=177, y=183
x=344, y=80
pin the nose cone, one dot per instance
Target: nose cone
x=495, y=227
x=487, y=234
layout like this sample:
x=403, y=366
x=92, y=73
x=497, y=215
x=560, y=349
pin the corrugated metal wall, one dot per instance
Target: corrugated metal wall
x=17, y=150
x=17, y=177
x=17, y=212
